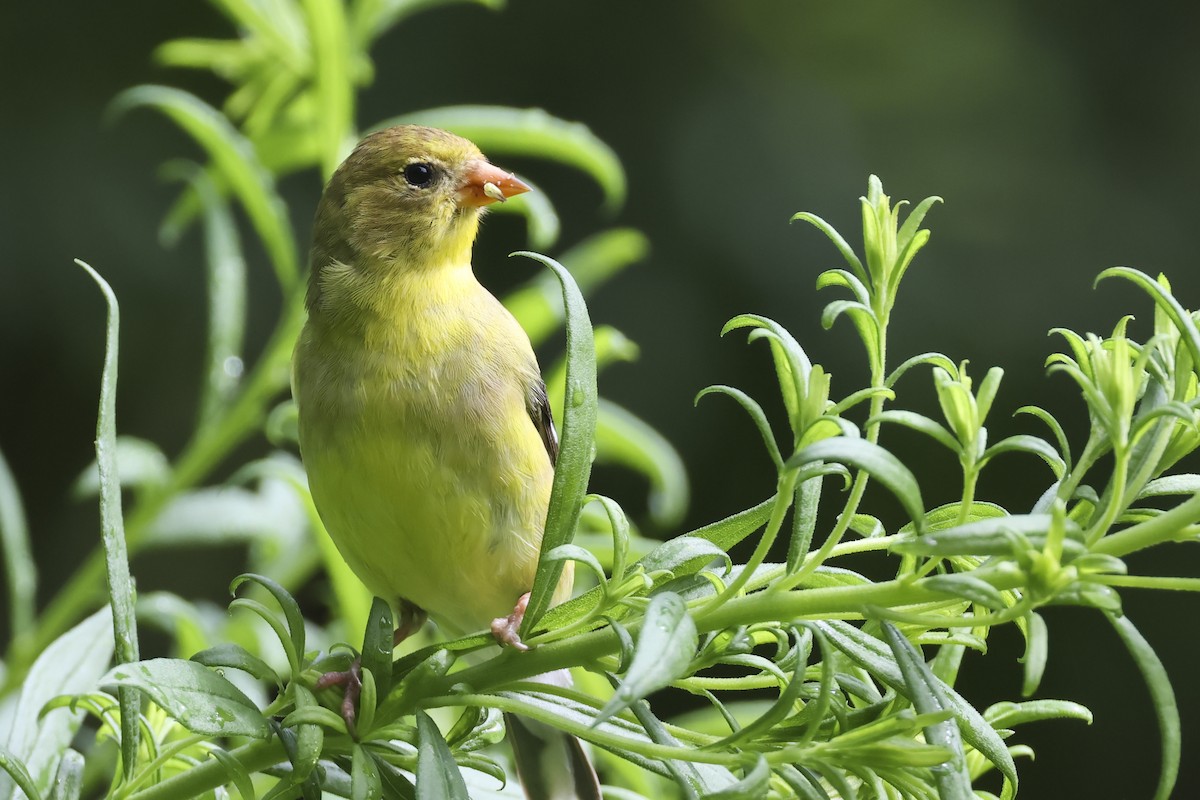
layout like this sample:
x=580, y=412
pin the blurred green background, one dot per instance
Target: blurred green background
x=1062, y=136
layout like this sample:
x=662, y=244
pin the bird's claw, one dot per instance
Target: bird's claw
x=352, y=680
x=506, y=629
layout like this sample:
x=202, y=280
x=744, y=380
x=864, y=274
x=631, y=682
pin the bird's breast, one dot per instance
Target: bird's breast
x=422, y=459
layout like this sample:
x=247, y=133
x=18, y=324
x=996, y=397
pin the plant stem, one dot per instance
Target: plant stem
x=255, y=757
x=1165, y=527
x=860, y=480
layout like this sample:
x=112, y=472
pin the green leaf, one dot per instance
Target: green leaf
x=1060, y=436
x=751, y=407
x=806, y=502
x=692, y=777
x=665, y=646
x=438, y=777
x=752, y=787
x=1037, y=650
x=226, y=298
x=112, y=525
x=234, y=656
x=69, y=665
x=622, y=438
x=221, y=515
x=68, y=782
x=792, y=364
x=871, y=654
x=1024, y=443
x=289, y=607
x=237, y=772
x=1165, y=302
x=1163, y=697
x=333, y=85
x=309, y=737
x=195, y=696
x=140, y=463
x=528, y=132
x=968, y=587
x=573, y=552
x=574, y=464
x=365, y=783
x=1008, y=715
x=921, y=424
x=19, y=774
x=840, y=243
x=20, y=571
x=871, y=458
x=237, y=162
x=1183, y=484
x=933, y=359
x=993, y=536
x=378, y=644
x=926, y=692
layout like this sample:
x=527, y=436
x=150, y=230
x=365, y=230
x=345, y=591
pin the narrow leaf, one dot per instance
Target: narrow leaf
x=70, y=665
x=378, y=643
x=752, y=787
x=968, y=587
x=19, y=568
x=925, y=691
x=1165, y=302
x=871, y=654
x=1163, y=697
x=68, y=783
x=365, y=783
x=195, y=696
x=140, y=464
x=233, y=656
x=665, y=646
x=1037, y=649
x=226, y=299
x=438, y=777
x=112, y=524
x=19, y=774
x=871, y=458
x=235, y=158
x=575, y=447
x=1008, y=715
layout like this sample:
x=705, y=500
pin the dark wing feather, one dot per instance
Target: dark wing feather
x=538, y=406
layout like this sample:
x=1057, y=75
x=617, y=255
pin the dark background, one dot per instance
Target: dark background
x=1062, y=136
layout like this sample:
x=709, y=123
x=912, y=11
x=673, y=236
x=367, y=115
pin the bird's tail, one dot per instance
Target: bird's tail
x=552, y=765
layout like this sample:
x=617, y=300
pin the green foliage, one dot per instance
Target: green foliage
x=807, y=679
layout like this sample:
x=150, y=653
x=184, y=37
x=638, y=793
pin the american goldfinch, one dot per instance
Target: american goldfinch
x=424, y=424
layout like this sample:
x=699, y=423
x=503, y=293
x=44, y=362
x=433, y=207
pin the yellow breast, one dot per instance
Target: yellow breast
x=422, y=459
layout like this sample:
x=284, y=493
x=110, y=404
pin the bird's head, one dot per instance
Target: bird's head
x=409, y=196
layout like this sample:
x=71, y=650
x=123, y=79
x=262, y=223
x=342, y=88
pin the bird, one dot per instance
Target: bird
x=424, y=424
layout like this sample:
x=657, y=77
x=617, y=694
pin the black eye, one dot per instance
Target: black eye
x=419, y=175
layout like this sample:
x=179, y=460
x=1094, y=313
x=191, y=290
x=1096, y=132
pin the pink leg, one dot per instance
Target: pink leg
x=506, y=629
x=411, y=620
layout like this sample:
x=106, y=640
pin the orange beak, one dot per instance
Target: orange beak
x=486, y=184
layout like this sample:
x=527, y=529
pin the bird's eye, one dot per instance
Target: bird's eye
x=419, y=175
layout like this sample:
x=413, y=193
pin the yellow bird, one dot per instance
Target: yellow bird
x=424, y=424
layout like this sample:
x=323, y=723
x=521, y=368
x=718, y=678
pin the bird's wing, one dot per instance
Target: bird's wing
x=538, y=406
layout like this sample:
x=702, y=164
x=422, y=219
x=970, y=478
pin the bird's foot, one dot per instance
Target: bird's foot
x=506, y=629
x=352, y=680
x=411, y=620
